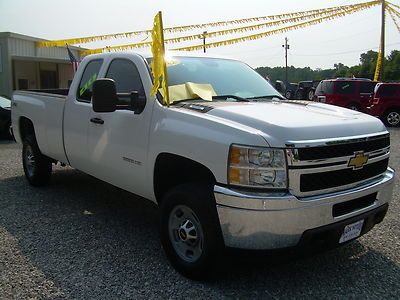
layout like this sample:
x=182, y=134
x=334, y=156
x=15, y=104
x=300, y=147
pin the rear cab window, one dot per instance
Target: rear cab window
x=84, y=92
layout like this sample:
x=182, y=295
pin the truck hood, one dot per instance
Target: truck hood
x=284, y=122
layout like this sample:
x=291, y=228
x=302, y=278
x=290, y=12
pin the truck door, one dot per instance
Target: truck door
x=117, y=141
x=76, y=115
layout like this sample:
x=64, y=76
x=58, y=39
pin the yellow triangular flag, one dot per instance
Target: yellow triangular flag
x=158, y=67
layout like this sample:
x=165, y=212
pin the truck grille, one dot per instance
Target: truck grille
x=326, y=180
x=343, y=149
x=322, y=169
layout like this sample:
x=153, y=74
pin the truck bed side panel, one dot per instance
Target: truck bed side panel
x=46, y=113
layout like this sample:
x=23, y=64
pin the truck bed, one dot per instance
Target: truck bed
x=45, y=109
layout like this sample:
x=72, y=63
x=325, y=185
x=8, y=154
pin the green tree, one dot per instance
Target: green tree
x=365, y=69
x=392, y=66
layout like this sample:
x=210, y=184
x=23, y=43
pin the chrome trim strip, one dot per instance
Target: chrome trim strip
x=292, y=161
x=337, y=167
x=336, y=140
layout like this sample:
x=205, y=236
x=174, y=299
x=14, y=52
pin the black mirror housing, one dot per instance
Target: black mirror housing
x=138, y=102
x=104, y=98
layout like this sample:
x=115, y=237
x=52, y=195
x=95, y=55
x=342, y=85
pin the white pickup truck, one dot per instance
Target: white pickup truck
x=230, y=162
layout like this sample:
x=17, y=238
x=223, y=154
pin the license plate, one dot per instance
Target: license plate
x=351, y=231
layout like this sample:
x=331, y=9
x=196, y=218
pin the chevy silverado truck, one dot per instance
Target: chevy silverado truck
x=230, y=162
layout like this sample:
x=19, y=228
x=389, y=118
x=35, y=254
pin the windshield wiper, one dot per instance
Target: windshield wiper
x=266, y=97
x=240, y=99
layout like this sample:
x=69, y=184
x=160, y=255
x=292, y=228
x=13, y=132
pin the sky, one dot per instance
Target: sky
x=320, y=46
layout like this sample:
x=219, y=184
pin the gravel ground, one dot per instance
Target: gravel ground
x=80, y=238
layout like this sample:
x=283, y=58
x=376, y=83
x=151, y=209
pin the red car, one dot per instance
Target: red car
x=353, y=93
x=386, y=103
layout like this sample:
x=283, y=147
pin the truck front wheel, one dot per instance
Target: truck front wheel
x=37, y=167
x=189, y=229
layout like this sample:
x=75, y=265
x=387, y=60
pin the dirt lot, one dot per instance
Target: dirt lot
x=81, y=238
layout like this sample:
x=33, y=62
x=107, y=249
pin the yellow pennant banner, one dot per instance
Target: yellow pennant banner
x=392, y=15
x=392, y=10
x=209, y=34
x=88, y=39
x=279, y=30
x=327, y=12
x=393, y=5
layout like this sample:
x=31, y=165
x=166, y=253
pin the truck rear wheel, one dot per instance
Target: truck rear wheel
x=189, y=229
x=392, y=117
x=37, y=167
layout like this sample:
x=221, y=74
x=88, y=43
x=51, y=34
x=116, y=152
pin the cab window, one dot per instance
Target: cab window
x=126, y=77
x=84, y=92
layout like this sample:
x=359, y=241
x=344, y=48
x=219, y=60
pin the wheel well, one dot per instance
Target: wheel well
x=26, y=127
x=392, y=108
x=171, y=170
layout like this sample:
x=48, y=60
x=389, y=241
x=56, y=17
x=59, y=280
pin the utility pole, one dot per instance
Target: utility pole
x=286, y=46
x=382, y=52
x=204, y=41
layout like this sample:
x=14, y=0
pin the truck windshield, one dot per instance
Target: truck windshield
x=225, y=76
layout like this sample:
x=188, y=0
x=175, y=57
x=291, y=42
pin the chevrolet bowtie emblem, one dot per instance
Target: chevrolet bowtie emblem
x=358, y=161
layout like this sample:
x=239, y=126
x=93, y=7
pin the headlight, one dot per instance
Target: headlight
x=257, y=167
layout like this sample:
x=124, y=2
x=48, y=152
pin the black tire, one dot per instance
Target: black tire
x=392, y=117
x=199, y=199
x=8, y=131
x=288, y=95
x=37, y=167
x=310, y=95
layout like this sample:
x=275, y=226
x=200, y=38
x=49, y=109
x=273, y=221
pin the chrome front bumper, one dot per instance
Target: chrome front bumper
x=251, y=220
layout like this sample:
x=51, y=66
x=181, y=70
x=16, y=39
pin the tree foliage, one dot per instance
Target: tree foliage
x=365, y=69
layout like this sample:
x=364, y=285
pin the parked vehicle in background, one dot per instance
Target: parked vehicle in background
x=352, y=93
x=386, y=103
x=306, y=90
x=291, y=89
x=280, y=87
x=288, y=90
x=5, y=117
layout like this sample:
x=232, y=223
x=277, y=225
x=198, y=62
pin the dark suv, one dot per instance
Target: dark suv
x=386, y=103
x=306, y=90
x=353, y=93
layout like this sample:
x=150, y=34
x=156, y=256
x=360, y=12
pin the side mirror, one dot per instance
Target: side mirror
x=104, y=98
x=138, y=102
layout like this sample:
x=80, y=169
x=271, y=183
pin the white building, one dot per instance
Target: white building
x=23, y=65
